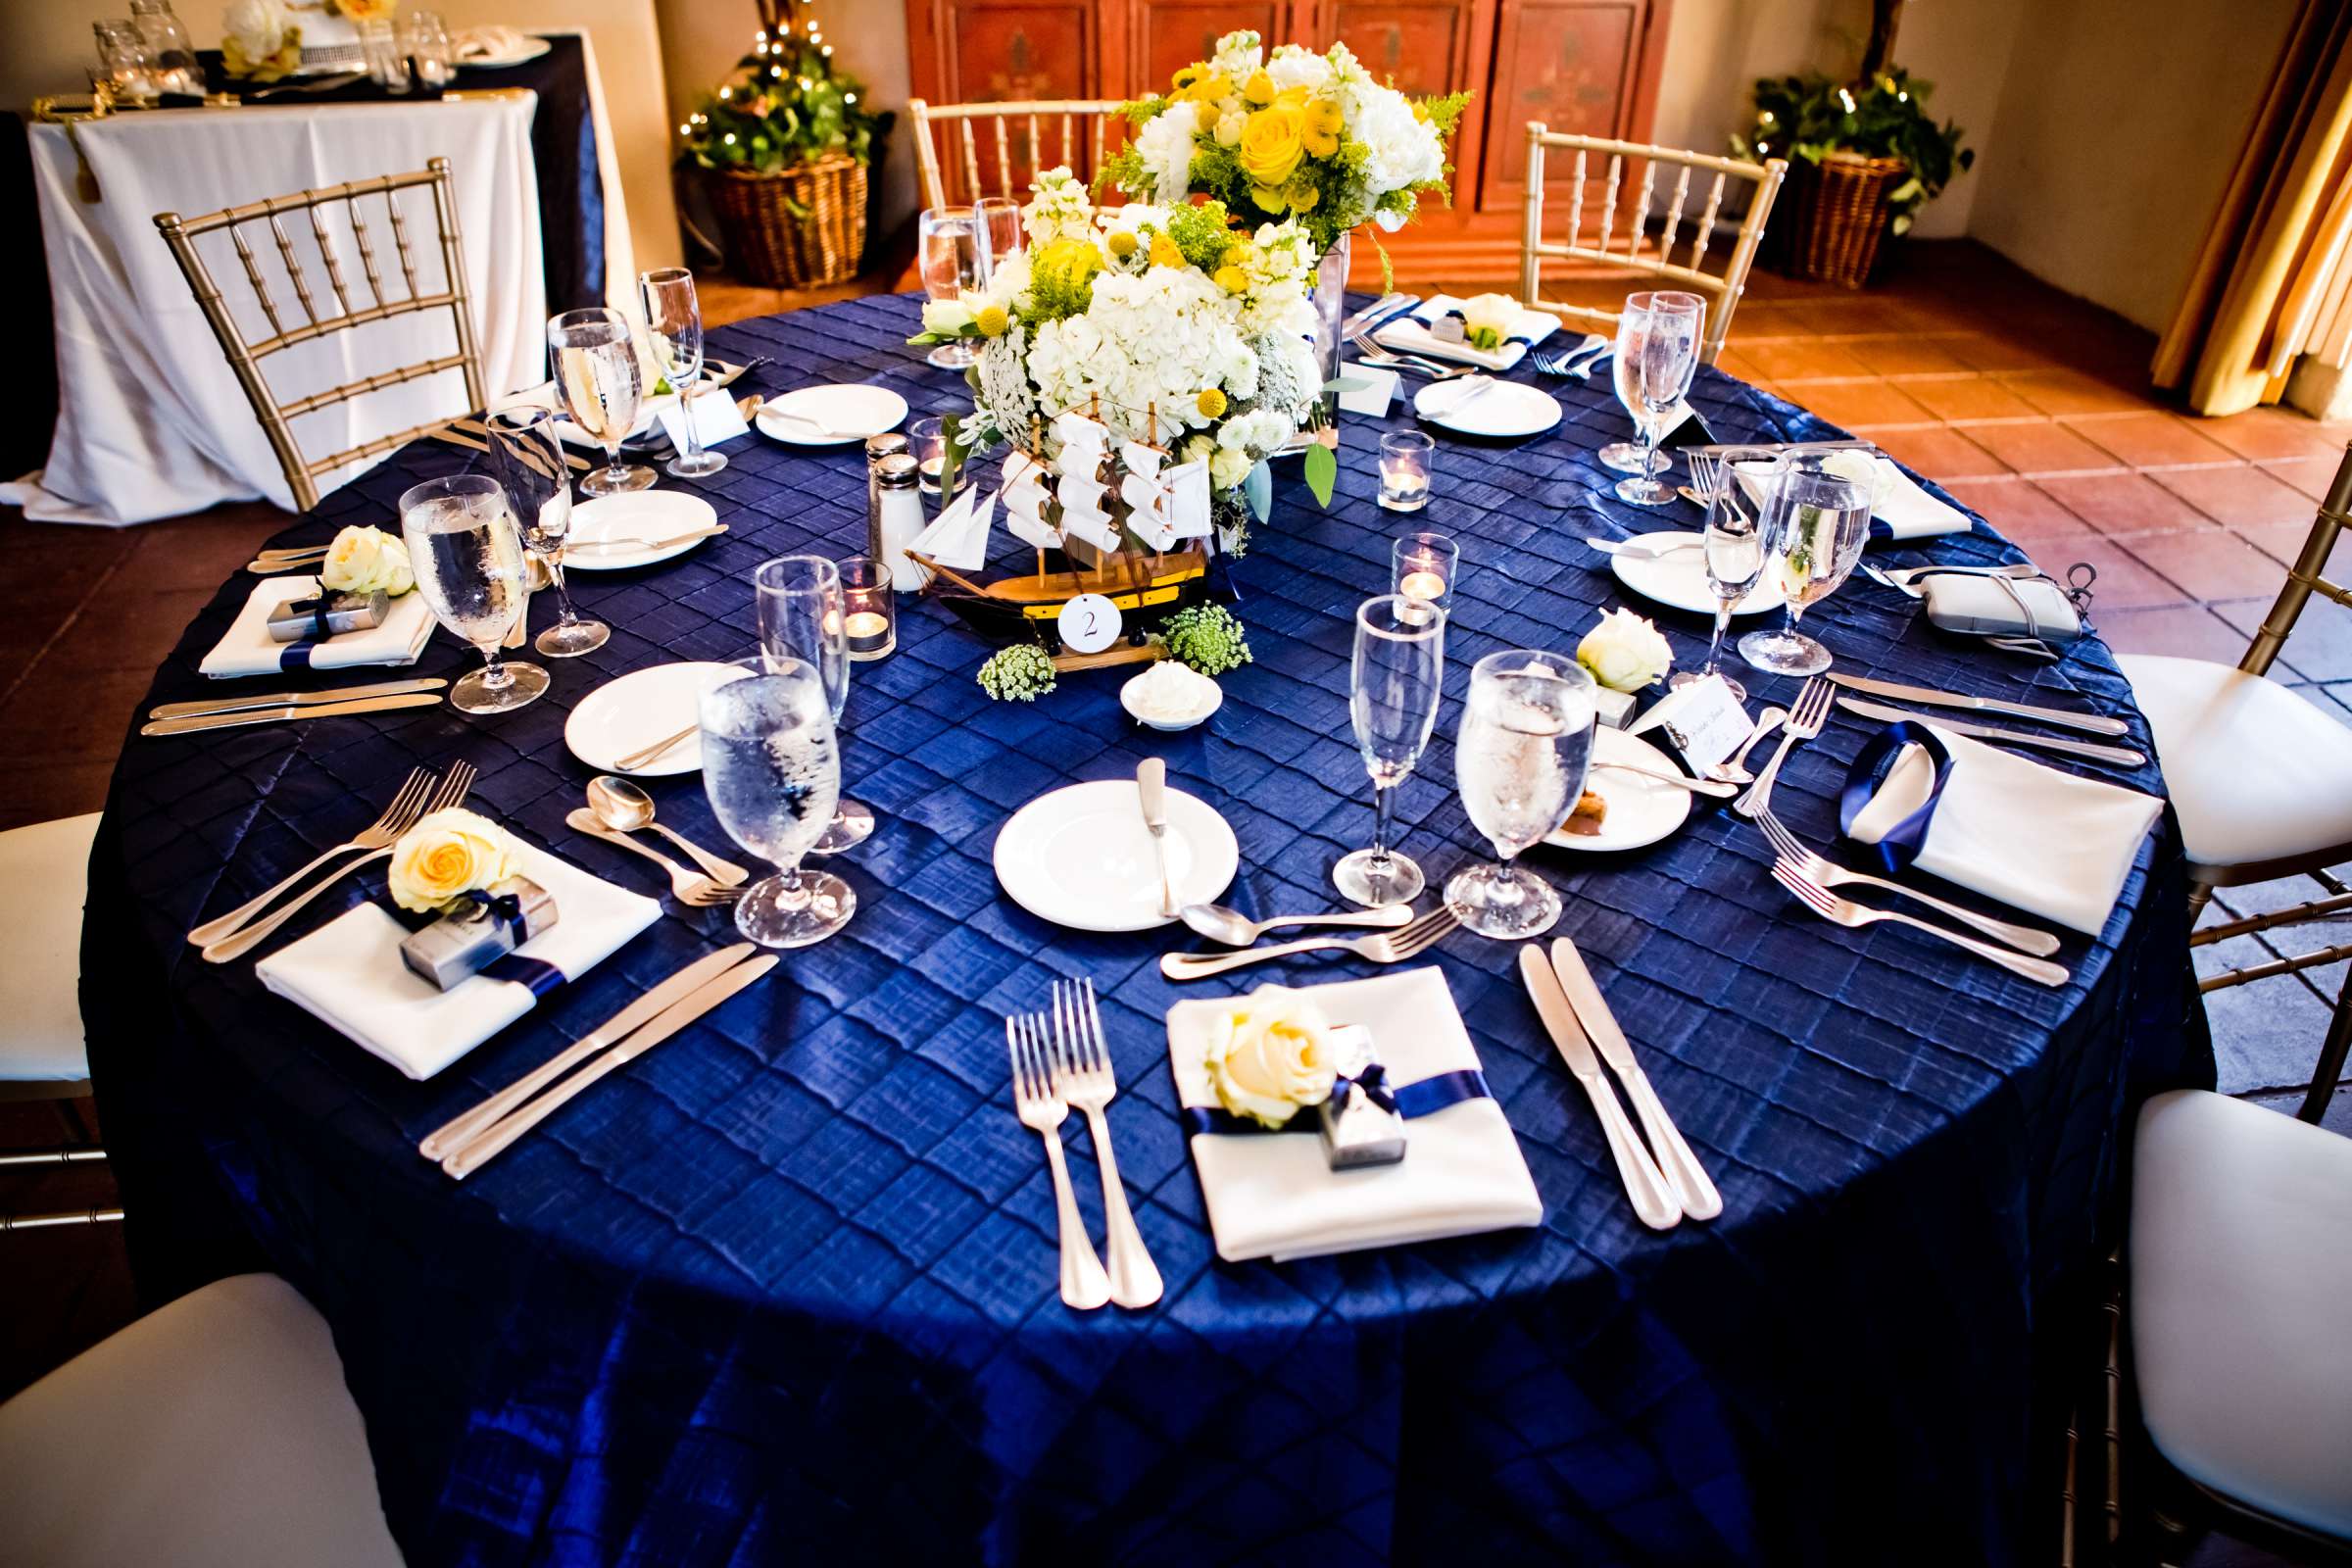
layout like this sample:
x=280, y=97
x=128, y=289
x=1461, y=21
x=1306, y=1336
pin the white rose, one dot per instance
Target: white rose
x=1228, y=468
x=1269, y=1054
x=1494, y=314
x=448, y=854
x=946, y=315
x=257, y=26
x=1293, y=66
x=1624, y=652
x=1165, y=147
x=363, y=560
x=1872, y=474
x=1229, y=127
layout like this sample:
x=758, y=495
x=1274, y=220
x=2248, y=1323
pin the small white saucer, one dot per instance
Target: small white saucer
x=1507, y=411
x=1679, y=580
x=846, y=413
x=1081, y=856
x=631, y=713
x=1639, y=812
x=635, y=515
x=1216, y=700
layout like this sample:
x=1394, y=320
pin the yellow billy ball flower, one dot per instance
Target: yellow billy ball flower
x=1235, y=255
x=1270, y=199
x=991, y=321
x=1165, y=252
x=1122, y=244
x=1270, y=147
x=1205, y=115
x=1233, y=280
x=1260, y=89
x=1211, y=403
x=1319, y=128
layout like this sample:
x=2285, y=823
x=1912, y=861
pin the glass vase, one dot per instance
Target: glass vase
x=1331, y=308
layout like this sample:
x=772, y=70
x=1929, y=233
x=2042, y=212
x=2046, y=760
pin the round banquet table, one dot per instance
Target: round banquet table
x=785, y=1288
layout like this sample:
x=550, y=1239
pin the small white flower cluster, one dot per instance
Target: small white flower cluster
x=1059, y=210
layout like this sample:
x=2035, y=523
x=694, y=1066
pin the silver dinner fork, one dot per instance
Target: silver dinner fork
x=1845, y=911
x=687, y=886
x=1388, y=946
x=405, y=808
x=452, y=792
x=1807, y=715
x=1830, y=874
x=1083, y=1077
x=1084, y=1284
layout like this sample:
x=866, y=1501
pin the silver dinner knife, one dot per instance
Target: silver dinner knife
x=1641, y=551
x=2095, y=723
x=333, y=694
x=2121, y=755
x=463, y=1126
x=1376, y=312
x=1681, y=1167
x=267, y=715
x=486, y=1144
x=1151, y=788
x=1653, y=1201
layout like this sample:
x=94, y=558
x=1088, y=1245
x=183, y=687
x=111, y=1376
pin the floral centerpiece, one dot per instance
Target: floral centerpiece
x=268, y=40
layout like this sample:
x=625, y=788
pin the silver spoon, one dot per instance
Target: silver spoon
x=1735, y=770
x=1236, y=930
x=624, y=808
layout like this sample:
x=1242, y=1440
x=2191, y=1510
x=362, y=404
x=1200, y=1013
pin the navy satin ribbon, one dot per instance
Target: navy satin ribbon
x=296, y=655
x=537, y=973
x=1902, y=843
x=1416, y=1099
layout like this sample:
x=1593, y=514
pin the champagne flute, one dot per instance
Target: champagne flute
x=467, y=558
x=1392, y=694
x=997, y=220
x=1734, y=545
x=1656, y=356
x=1520, y=760
x=674, y=322
x=527, y=461
x=596, y=369
x=804, y=616
x=954, y=264
x=1815, y=526
x=773, y=770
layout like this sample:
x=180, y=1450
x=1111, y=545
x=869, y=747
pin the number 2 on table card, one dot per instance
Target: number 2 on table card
x=1087, y=623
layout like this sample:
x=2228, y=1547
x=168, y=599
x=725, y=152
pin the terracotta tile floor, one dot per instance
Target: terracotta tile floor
x=2032, y=406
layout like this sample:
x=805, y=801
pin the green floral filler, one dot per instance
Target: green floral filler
x=1021, y=674
x=1206, y=637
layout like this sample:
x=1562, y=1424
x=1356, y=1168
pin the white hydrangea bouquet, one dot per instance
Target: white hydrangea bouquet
x=1166, y=323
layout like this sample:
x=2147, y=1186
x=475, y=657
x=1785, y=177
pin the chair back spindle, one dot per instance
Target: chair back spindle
x=961, y=177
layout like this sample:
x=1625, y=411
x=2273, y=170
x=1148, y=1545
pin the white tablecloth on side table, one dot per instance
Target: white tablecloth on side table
x=151, y=421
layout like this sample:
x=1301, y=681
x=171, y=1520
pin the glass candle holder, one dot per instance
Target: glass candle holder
x=869, y=609
x=1422, y=567
x=927, y=439
x=1404, y=470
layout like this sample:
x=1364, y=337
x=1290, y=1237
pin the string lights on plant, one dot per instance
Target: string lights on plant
x=785, y=103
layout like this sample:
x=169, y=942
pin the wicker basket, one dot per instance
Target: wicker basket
x=769, y=244
x=1840, y=216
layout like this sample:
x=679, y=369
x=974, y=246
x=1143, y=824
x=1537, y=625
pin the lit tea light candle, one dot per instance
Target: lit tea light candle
x=869, y=624
x=1404, y=471
x=1423, y=567
x=1421, y=585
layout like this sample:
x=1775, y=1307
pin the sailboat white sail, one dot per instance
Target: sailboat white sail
x=959, y=537
x=1188, y=499
x=1025, y=496
x=1077, y=483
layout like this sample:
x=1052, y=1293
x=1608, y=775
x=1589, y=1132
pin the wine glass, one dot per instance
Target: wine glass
x=1656, y=356
x=467, y=558
x=1519, y=761
x=1734, y=545
x=954, y=264
x=596, y=369
x=1815, y=526
x=804, y=617
x=1393, y=690
x=527, y=461
x=772, y=770
x=997, y=220
x=673, y=321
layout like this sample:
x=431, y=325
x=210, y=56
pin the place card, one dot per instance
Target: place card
x=717, y=418
x=1373, y=397
x=1701, y=725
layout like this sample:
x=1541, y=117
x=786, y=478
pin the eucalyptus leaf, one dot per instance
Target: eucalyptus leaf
x=1322, y=471
x=1258, y=490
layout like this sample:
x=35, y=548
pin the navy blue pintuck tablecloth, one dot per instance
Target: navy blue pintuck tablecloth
x=784, y=1290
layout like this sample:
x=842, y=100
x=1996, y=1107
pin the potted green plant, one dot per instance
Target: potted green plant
x=785, y=142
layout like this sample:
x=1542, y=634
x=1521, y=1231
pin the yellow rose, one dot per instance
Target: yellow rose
x=1233, y=280
x=448, y=854
x=1320, y=125
x=1269, y=1055
x=1211, y=403
x=1272, y=201
x=1260, y=89
x=363, y=560
x=1200, y=85
x=1165, y=252
x=1270, y=148
x=991, y=321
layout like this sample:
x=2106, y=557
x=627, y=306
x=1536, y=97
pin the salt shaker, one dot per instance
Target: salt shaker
x=896, y=517
x=878, y=447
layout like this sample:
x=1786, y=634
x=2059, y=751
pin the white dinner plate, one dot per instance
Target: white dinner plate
x=530, y=49
x=843, y=413
x=1639, y=812
x=629, y=714
x=1679, y=580
x=1507, y=410
x=1081, y=856
x=637, y=515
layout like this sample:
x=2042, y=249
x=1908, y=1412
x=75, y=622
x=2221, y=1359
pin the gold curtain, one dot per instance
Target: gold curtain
x=2275, y=258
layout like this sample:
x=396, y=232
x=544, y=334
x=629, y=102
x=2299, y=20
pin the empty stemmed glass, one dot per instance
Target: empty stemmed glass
x=1656, y=356
x=595, y=369
x=771, y=767
x=804, y=617
x=528, y=463
x=1732, y=542
x=955, y=265
x=467, y=558
x=1520, y=760
x=1394, y=685
x=673, y=323
x=996, y=222
x=1815, y=526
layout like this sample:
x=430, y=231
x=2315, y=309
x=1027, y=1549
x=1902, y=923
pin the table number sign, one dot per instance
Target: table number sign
x=1087, y=623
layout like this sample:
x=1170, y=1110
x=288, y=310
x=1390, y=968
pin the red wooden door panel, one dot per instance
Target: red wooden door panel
x=1571, y=63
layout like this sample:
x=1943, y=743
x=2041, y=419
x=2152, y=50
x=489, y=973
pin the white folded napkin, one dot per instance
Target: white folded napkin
x=1900, y=508
x=487, y=42
x=246, y=647
x=1273, y=1194
x=1999, y=606
x=348, y=973
x=2036, y=839
x=1411, y=334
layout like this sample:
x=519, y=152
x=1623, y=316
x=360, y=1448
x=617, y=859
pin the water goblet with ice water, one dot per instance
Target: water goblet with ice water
x=1520, y=760
x=1734, y=545
x=527, y=461
x=673, y=323
x=1626, y=457
x=1656, y=356
x=595, y=371
x=954, y=264
x=771, y=767
x=467, y=558
x=1815, y=526
x=804, y=616
x=1393, y=684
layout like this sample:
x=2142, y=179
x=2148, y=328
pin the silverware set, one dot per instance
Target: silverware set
x=1905, y=579
x=2001, y=735
x=238, y=931
x=227, y=712
x=688, y=888
x=1576, y=364
x=1386, y=946
x=1060, y=1060
x=1804, y=723
x=1845, y=911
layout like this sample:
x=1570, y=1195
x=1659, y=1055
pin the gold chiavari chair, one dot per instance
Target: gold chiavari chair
x=1022, y=142
x=287, y=331
x=2262, y=780
x=1636, y=253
